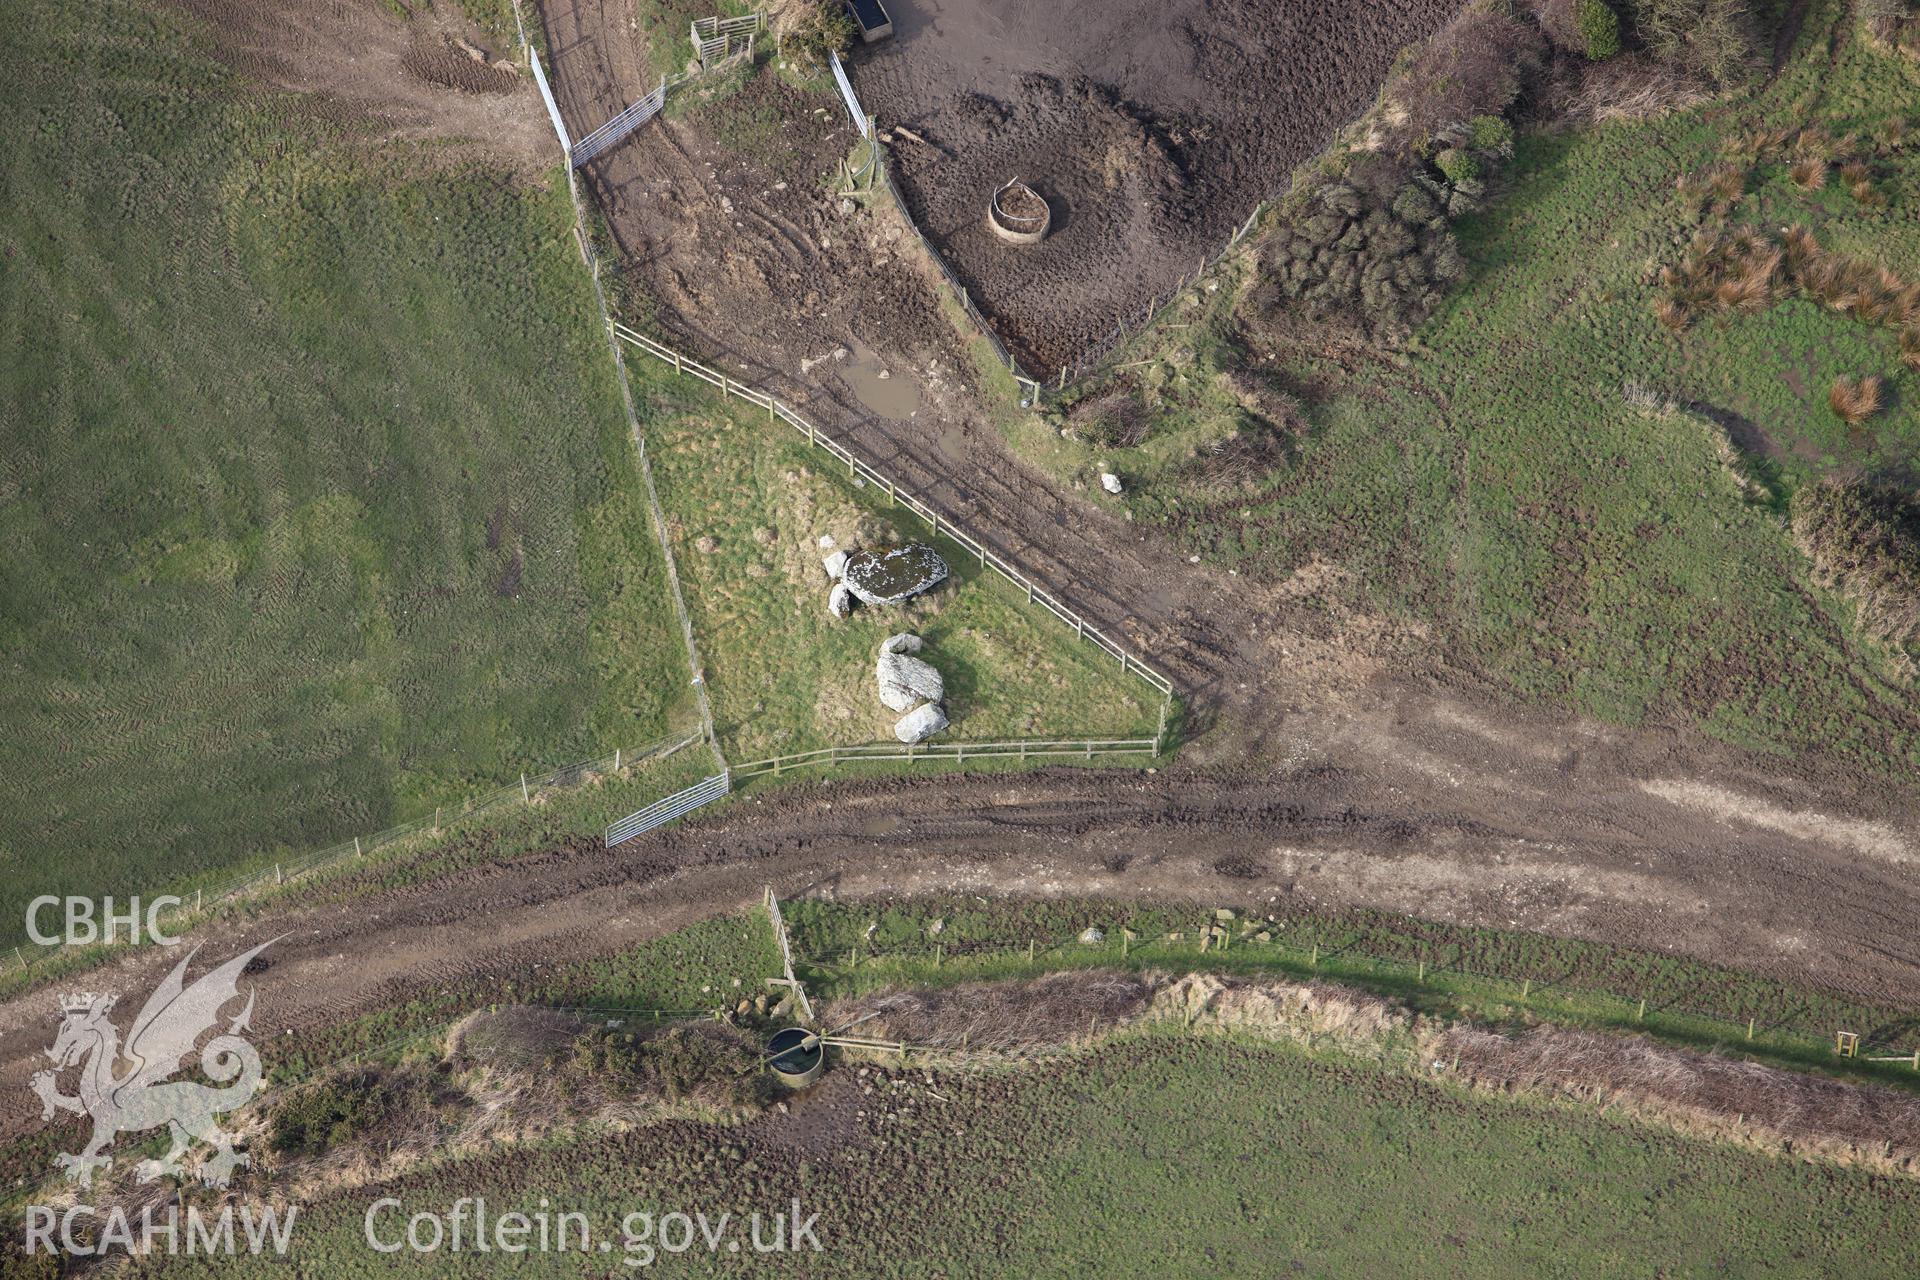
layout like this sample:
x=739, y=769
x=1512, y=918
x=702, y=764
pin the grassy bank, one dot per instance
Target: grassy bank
x=1176, y=1155
x=748, y=501
x=317, y=501
x=1502, y=481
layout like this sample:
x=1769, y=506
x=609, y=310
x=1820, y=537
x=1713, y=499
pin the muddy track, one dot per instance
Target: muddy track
x=1564, y=844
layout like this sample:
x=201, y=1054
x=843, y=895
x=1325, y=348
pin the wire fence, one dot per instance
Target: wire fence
x=526, y=791
x=1897, y=1041
x=959, y=752
x=857, y=466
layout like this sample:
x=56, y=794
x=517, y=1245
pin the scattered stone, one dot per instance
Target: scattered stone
x=1263, y=936
x=1092, y=935
x=826, y=539
x=840, y=600
x=764, y=536
x=905, y=642
x=1111, y=482
x=937, y=927
x=706, y=544
x=892, y=576
x=1222, y=913
x=918, y=726
x=835, y=564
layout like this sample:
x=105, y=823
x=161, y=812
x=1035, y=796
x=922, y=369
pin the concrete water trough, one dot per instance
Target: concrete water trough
x=872, y=18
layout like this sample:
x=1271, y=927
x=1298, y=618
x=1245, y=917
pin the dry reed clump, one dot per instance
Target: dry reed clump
x=1298, y=1013
x=1855, y=400
x=1758, y=1106
x=1048, y=1012
x=1746, y=271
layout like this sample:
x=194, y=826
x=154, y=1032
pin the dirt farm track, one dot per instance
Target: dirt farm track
x=1153, y=129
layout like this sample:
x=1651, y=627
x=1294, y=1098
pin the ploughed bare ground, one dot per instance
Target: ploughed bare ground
x=1153, y=127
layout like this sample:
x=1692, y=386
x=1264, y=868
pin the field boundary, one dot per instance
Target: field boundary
x=959, y=752
x=521, y=792
x=858, y=466
x=1214, y=948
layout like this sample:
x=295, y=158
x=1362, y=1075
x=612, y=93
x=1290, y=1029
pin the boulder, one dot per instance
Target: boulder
x=1111, y=482
x=918, y=726
x=1091, y=936
x=906, y=680
x=840, y=600
x=905, y=642
x=835, y=564
x=888, y=577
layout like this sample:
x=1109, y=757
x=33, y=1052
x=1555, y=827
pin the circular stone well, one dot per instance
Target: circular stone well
x=1018, y=214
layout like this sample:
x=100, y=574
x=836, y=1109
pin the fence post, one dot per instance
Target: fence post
x=356, y=846
x=524, y=797
x=616, y=759
x=1641, y=1016
x=198, y=899
x=277, y=877
x=1526, y=988
x=1749, y=1028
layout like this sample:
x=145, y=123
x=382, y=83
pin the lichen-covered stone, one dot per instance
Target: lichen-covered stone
x=889, y=577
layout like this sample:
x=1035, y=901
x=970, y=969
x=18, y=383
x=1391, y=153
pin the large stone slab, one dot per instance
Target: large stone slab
x=905, y=681
x=889, y=577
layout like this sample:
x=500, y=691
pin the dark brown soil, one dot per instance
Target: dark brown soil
x=1152, y=130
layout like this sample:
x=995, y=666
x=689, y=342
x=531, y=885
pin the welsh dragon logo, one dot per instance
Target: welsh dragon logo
x=128, y=1090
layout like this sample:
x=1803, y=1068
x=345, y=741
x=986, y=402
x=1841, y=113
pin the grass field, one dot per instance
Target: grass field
x=747, y=502
x=1163, y=1154
x=1496, y=482
x=316, y=498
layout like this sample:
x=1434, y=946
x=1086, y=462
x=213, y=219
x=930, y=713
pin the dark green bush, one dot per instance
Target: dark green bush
x=1382, y=260
x=1599, y=28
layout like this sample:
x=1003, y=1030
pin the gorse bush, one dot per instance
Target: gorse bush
x=812, y=29
x=314, y=1120
x=1381, y=260
x=1599, y=28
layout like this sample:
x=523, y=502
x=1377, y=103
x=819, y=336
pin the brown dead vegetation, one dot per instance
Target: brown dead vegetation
x=1854, y=400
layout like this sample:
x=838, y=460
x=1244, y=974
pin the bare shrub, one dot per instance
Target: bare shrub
x=1474, y=66
x=1746, y=1101
x=1713, y=39
x=1001, y=1017
x=1863, y=540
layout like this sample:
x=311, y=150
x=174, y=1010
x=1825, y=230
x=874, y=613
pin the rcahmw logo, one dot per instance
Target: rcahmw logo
x=127, y=1087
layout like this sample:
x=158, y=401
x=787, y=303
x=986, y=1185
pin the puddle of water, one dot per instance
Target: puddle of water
x=893, y=396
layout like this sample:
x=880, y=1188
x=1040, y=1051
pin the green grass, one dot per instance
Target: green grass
x=317, y=501
x=783, y=674
x=1452, y=971
x=1169, y=1155
x=1493, y=484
